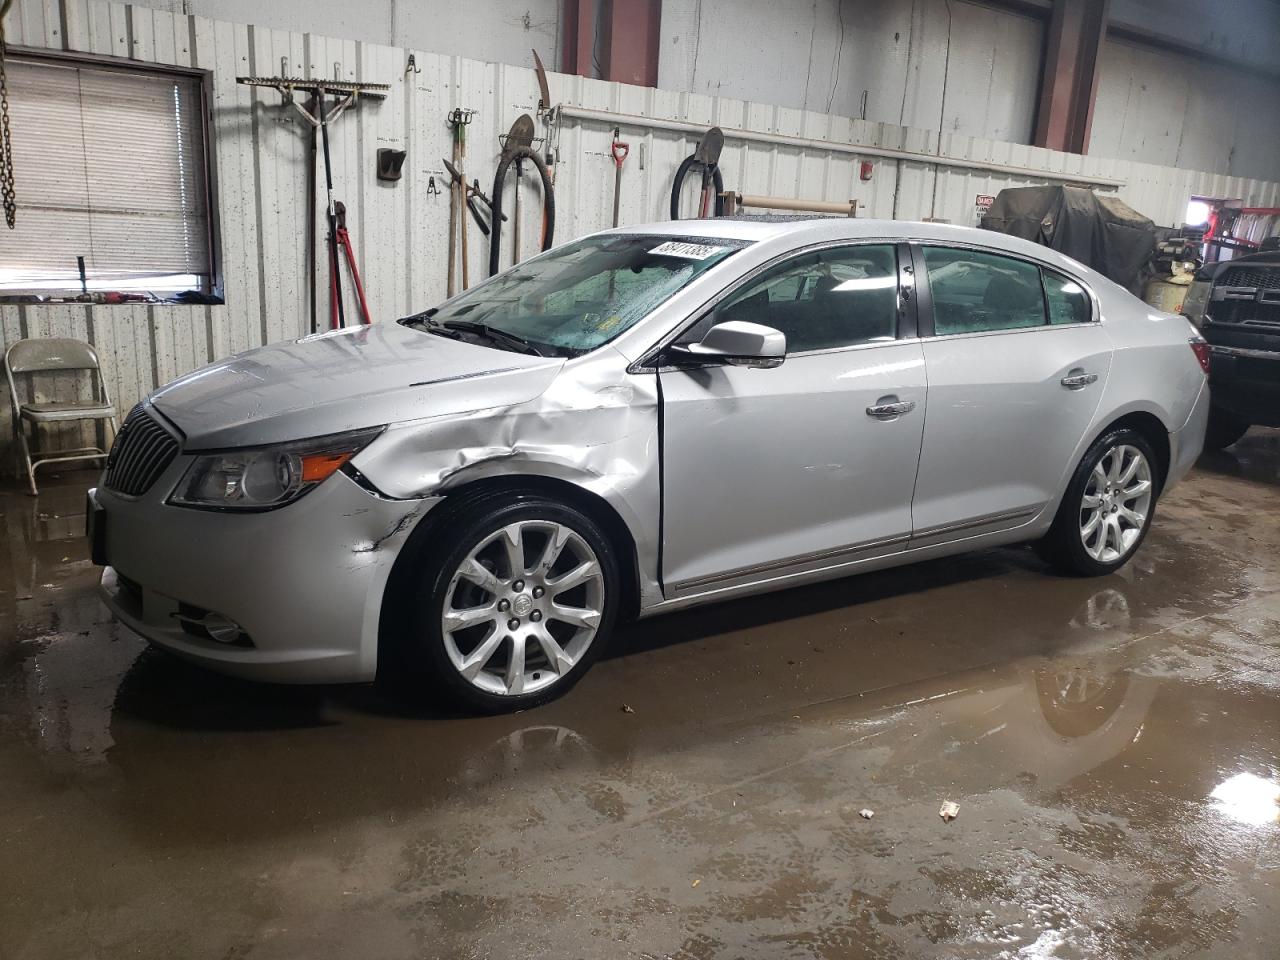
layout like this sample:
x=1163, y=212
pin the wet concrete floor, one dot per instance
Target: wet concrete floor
x=1113, y=744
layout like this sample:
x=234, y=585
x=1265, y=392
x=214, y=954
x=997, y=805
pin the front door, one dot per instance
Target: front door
x=772, y=472
x=1016, y=367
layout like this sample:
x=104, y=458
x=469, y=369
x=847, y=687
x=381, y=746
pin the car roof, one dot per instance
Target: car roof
x=800, y=229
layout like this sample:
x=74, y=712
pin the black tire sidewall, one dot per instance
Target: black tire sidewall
x=1064, y=547
x=422, y=644
x=1224, y=428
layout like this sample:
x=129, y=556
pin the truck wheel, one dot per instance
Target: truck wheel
x=1224, y=429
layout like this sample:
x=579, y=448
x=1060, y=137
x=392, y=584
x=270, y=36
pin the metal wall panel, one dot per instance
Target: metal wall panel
x=260, y=152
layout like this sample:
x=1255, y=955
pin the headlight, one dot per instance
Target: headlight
x=261, y=478
x=1196, y=300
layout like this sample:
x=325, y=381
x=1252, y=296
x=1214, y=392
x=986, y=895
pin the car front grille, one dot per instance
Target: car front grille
x=1255, y=277
x=141, y=452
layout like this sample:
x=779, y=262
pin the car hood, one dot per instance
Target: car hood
x=346, y=380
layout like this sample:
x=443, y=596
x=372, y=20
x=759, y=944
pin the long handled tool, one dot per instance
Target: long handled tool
x=473, y=194
x=619, y=151
x=320, y=120
x=335, y=286
x=517, y=146
x=344, y=241
x=707, y=159
x=459, y=118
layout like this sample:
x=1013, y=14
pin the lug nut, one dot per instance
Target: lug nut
x=518, y=586
x=504, y=604
x=513, y=624
x=538, y=592
x=535, y=616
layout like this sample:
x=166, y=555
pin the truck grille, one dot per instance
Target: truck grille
x=1255, y=277
x=141, y=452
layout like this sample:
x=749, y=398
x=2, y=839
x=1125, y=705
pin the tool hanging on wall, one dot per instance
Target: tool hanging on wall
x=349, y=93
x=7, y=191
x=473, y=194
x=517, y=146
x=706, y=158
x=459, y=119
x=619, y=150
x=335, y=302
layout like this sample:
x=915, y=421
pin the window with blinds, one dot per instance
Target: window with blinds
x=109, y=166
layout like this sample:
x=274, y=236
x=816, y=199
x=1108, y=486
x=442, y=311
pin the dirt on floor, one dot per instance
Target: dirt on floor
x=1113, y=746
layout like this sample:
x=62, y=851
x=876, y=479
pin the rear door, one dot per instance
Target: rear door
x=1017, y=362
x=768, y=472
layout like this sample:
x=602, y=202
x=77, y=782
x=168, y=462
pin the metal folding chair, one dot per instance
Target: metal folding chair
x=55, y=355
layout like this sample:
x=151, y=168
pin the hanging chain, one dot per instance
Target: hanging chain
x=6, y=139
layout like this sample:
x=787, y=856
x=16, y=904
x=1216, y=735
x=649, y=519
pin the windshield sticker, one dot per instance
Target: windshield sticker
x=687, y=251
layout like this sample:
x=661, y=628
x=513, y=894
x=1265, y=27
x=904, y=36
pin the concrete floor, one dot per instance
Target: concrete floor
x=1113, y=745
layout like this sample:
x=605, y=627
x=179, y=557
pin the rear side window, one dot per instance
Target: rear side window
x=974, y=292
x=823, y=300
x=1068, y=303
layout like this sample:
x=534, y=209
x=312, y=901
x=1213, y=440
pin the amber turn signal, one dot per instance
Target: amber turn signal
x=318, y=466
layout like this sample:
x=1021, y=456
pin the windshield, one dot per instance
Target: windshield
x=579, y=296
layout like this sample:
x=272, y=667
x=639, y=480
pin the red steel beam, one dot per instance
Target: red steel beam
x=627, y=35
x=1069, y=85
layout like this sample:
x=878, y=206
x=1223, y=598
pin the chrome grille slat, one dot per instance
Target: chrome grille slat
x=142, y=451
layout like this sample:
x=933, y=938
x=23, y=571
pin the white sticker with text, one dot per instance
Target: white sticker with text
x=689, y=251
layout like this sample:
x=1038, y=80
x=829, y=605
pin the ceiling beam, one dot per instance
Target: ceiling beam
x=1069, y=81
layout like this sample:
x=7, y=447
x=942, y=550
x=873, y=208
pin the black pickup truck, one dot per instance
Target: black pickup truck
x=1236, y=305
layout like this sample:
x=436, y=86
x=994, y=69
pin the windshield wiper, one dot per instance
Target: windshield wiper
x=490, y=333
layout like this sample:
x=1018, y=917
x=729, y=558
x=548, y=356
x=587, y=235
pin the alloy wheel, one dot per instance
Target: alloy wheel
x=1116, y=503
x=523, y=607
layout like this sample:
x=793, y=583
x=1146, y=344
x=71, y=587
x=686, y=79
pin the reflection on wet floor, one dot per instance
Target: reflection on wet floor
x=1112, y=745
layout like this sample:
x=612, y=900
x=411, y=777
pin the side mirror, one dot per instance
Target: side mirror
x=739, y=343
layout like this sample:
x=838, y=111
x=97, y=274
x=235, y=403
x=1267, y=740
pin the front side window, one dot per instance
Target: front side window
x=582, y=295
x=111, y=180
x=975, y=292
x=823, y=300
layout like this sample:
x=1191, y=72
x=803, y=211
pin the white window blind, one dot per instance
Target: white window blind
x=109, y=165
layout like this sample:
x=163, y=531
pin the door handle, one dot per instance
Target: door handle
x=1076, y=381
x=887, y=411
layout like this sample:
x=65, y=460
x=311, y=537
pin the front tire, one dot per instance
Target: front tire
x=1108, y=507
x=514, y=606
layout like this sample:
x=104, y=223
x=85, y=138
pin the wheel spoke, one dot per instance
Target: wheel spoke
x=1135, y=518
x=1130, y=470
x=1091, y=525
x=574, y=578
x=551, y=552
x=1091, y=501
x=513, y=541
x=1099, y=475
x=1137, y=490
x=476, y=660
x=575, y=616
x=475, y=571
x=559, y=660
x=460, y=619
x=515, y=666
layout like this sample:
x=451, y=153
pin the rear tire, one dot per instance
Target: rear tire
x=513, y=606
x=1224, y=429
x=1108, y=507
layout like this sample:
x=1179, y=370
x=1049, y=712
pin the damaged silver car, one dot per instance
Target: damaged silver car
x=645, y=419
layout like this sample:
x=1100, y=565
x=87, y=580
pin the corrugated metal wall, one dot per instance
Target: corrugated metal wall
x=399, y=231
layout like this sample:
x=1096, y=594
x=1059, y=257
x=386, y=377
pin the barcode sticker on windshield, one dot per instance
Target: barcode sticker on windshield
x=689, y=251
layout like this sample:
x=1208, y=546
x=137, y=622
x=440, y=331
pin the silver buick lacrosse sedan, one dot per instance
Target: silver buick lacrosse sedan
x=644, y=419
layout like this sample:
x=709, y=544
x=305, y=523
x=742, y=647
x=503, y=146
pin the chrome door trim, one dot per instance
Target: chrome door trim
x=646, y=362
x=947, y=530
x=837, y=555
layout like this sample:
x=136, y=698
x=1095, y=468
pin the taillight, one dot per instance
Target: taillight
x=1201, y=350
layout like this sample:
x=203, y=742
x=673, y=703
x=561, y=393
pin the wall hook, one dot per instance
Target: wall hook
x=412, y=66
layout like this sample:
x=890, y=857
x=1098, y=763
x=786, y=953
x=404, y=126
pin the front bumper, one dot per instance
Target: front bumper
x=304, y=582
x=1246, y=382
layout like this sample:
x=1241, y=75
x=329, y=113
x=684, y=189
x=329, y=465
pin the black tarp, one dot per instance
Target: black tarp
x=1101, y=231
